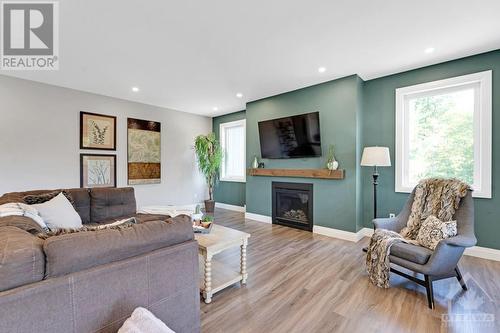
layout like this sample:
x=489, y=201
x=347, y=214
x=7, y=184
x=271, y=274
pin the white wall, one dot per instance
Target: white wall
x=39, y=141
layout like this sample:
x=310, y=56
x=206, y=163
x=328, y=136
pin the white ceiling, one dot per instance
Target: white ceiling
x=193, y=55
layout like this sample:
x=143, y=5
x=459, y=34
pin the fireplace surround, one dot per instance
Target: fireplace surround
x=293, y=205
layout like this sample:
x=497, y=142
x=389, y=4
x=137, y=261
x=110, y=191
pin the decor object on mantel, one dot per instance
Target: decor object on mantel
x=331, y=163
x=255, y=163
x=375, y=157
x=209, y=154
x=300, y=173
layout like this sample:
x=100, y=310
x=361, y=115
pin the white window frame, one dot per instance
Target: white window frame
x=222, y=140
x=482, y=128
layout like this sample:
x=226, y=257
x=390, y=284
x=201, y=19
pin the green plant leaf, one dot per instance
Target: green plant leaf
x=209, y=155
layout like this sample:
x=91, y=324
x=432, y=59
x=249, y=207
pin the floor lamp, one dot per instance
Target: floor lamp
x=375, y=157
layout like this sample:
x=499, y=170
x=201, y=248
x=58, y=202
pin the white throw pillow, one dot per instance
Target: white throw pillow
x=59, y=213
x=143, y=321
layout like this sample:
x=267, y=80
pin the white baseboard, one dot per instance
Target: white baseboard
x=336, y=233
x=483, y=252
x=365, y=232
x=475, y=251
x=258, y=217
x=230, y=207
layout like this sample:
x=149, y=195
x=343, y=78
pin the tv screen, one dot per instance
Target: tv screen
x=290, y=137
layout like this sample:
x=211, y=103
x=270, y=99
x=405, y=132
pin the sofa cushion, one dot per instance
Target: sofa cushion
x=58, y=212
x=414, y=253
x=33, y=199
x=111, y=203
x=21, y=258
x=80, y=197
x=78, y=251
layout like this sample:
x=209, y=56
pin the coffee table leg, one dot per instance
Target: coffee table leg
x=207, y=292
x=244, y=274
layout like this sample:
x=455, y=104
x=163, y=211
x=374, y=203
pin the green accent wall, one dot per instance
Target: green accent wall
x=337, y=203
x=353, y=114
x=379, y=129
x=232, y=193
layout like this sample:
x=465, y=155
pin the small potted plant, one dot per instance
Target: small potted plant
x=331, y=163
x=197, y=215
x=209, y=155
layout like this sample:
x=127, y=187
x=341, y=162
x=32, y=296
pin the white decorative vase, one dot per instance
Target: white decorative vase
x=255, y=163
x=332, y=165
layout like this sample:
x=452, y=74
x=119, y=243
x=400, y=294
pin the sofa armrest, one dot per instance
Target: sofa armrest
x=22, y=259
x=391, y=223
x=444, y=259
x=21, y=222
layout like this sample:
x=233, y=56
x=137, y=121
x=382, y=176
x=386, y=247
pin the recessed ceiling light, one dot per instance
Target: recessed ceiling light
x=429, y=50
x=135, y=89
x=321, y=69
x=239, y=95
x=215, y=108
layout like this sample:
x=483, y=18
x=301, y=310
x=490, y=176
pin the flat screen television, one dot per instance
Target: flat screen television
x=290, y=137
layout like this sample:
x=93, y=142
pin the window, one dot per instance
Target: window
x=443, y=129
x=232, y=139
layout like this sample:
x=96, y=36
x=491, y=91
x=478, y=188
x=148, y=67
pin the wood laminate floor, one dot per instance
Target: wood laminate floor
x=303, y=282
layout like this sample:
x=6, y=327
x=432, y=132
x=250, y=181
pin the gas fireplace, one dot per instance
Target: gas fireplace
x=293, y=205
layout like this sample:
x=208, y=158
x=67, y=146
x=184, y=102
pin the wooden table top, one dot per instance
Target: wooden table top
x=221, y=238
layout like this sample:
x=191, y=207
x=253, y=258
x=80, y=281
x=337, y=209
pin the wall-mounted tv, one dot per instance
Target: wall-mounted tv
x=290, y=137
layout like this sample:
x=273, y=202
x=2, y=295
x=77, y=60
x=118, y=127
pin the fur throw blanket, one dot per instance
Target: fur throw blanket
x=433, y=196
x=117, y=225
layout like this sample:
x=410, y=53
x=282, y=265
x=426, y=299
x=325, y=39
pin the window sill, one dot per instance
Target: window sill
x=233, y=180
x=475, y=194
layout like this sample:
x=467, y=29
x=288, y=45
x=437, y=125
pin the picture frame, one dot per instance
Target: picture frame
x=97, y=170
x=143, y=151
x=97, y=131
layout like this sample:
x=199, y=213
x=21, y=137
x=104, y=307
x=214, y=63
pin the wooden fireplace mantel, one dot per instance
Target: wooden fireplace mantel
x=301, y=173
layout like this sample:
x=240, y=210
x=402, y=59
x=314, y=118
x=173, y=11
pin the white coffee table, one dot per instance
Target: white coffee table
x=214, y=275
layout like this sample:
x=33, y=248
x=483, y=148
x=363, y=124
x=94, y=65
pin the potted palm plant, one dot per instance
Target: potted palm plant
x=209, y=154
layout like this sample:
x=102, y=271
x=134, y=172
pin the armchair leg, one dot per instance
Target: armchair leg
x=460, y=278
x=430, y=292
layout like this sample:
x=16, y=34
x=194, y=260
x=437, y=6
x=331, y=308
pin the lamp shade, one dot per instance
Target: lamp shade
x=376, y=156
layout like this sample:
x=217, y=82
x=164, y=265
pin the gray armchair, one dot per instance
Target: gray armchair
x=435, y=265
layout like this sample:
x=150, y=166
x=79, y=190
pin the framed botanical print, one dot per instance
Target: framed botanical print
x=97, y=170
x=97, y=131
x=143, y=151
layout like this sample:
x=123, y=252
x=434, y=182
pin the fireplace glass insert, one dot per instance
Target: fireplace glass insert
x=293, y=205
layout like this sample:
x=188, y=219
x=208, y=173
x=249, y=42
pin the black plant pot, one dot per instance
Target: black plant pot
x=209, y=206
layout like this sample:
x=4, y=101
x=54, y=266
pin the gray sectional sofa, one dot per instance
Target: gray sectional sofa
x=92, y=281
